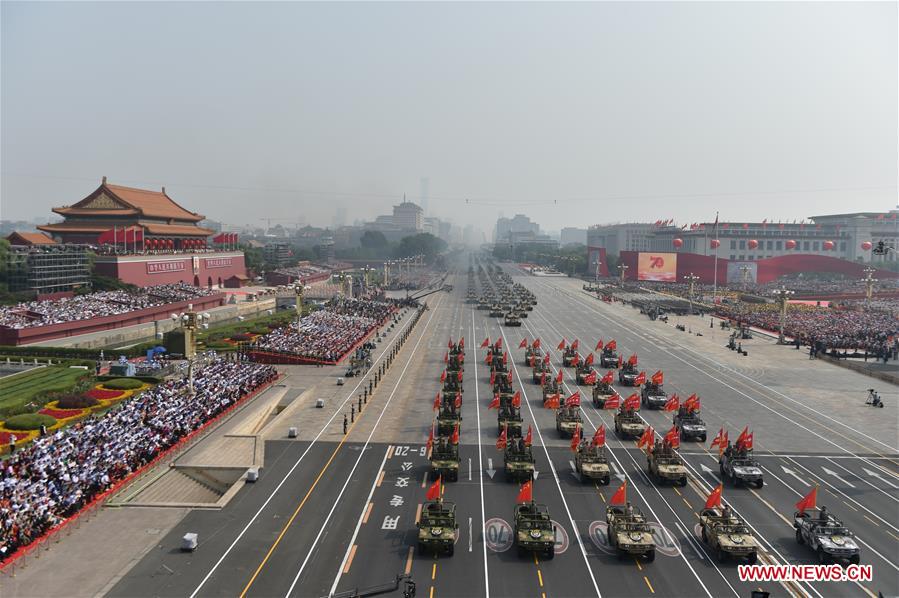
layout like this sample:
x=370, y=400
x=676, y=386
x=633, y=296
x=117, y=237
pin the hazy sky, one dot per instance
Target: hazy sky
x=616, y=111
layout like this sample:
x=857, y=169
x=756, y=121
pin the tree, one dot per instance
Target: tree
x=422, y=243
x=373, y=239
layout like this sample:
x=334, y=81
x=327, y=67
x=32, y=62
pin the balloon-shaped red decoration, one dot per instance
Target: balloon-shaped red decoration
x=791, y=244
x=867, y=245
x=753, y=243
x=828, y=245
x=715, y=243
x=678, y=243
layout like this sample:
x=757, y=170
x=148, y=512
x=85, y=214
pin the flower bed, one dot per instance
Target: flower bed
x=101, y=394
x=21, y=437
x=62, y=414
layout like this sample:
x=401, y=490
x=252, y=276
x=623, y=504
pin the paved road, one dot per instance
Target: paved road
x=344, y=518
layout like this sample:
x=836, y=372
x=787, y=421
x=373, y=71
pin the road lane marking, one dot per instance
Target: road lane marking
x=540, y=577
x=390, y=451
x=639, y=566
x=381, y=478
x=349, y=562
x=871, y=520
x=408, y=569
x=368, y=512
x=434, y=571
x=418, y=513
x=648, y=585
x=477, y=413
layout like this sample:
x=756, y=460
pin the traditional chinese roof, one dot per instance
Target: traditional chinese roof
x=116, y=200
x=18, y=238
x=175, y=229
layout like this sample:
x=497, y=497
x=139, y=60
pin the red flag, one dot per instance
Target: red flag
x=746, y=445
x=575, y=344
x=672, y=437
x=646, y=438
x=455, y=437
x=692, y=403
x=430, y=440
x=509, y=376
x=501, y=441
x=486, y=343
x=574, y=400
x=516, y=399
x=632, y=359
x=590, y=378
x=576, y=359
x=499, y=343
x=714, y=499
x=809, y=501
x=462, y=342
x=561, y=345
x=619, y=361
x=489, y=359
x=437, y=402
x=640, y=380
x=492, y=377
x=742, y=437
x=559, y=377
x=505, y=357
x=608, y=377
x=531, y=361
x=673, y=404
x=632, y=403
x=523, y=343
x=526, y=493
x=458, y=401
x=543, y=379
x=552, y=402
x=658, y=378
x=446, y=358
x=576, y=437
x=459, y=375
x=598, y=345
x=723, y=444
x=434, y=491
x=529, y=437
x=612, y=402
x=620, y=496
x=536, y=343
x=494, y=404
x=589, y=359
x=717, y=439
x=546, y=359
x=443, y=376
x=449, y=343
x=599, y=437
x=611, y=345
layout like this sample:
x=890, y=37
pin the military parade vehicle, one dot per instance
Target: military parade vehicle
x=497, y=311
x=568, y=356
x=628, y=424
x=534, y=530
x=551, y=389
x=827, y=536
x=448, y=417
x=590, y=287
x=739, y=467
x=664, y=465
x=602, y=392
x=591, y=463
x=582, y=371
x=535, y=354
x=452, y=385
x=471, y=296
x=627, y=374
x=512, y=319
x=690, y=424
x=483, y=304
x=518, y=460
x=727, y=535
x=509, y=417
x=608, y=359
x=538, y=370
x=629, y=533
x=437, y=528
x=568, y=419
x=445, y=459
x=653, y=396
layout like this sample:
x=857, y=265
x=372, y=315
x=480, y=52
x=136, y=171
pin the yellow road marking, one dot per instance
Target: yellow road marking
x=390, y=451
x=892, y=534
x=367, y=512
x=648, y=585
x=871, y=520
x=432, y=592
x=409, y=561
x=434, y=571
x=381, y=478
x=349, y=561
x=418, y=513
x=639, y=566
x=683, y=498
x=678, y=491
x=773, y=510
x=540, y=577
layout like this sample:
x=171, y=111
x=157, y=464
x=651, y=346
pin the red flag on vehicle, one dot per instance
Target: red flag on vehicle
x=576, y=437
x=494, y=404
x=589, y=359
x=646, y=438
x=620, y=361
x=505, y=358
x=492, y=377
x=809, y=501
x=590, y=378
x=559, y=377
x=458, y=401
x=561, y=345
x=499, y=343
x=430, y=440
x=543, y=379
x=516, y=399
x=692, y=403
x=459, y=375
x=576, y=359
x=672, y=437
x=536, y=343
x=509, y=376
x=723, y=444
x=501, y=441
x=673, y=403
x=531, y=361
x=437, y=402
x=489, y=359
x=746, y=445
x=608, y=377
x=658, y=378
x=434, y=491
x=640, y=380
x=523, y=343
x=455, y=437
x=620, y=496
x=525, y=493
x=486, y=343
x=446, y=358
x=449, y=343
x=599, y=437
x=612, y=402
x=598, y=345
x=443, y=376
x=529, y=437
x=632, y=359
x=462, y=342
x=552, y=401
x=575, y=344
x=574, y=400
x=717, y=439
x=714, y=499
x=611, y=345
x=632, y=403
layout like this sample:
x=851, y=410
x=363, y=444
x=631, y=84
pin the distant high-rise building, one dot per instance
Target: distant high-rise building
x=408, y=216
x=573, y=236
x=517, y=224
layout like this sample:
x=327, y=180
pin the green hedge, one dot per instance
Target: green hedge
x=123, y=384
x=147, y=379
x=28, y=421
x=76, y=401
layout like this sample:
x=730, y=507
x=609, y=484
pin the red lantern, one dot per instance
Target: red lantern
x=753, y=243
x=678, y=243
x=867, y=245
x=791, y=244
x=715, y=243
x=828, y=245
x=170, y=243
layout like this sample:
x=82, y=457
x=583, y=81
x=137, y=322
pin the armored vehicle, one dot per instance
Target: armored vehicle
x=437, y=528
x=509, y=417
x=497, y=311
x=629, y=533
x=591, y=462
x=690, y=425
x=739, y=467
x=827, y=536
x=452, y=385
x=534, y=530
x=727, y=535
x=567, y=421
x=568, y=356
x=664, y=465
x=539, y=369
x=653, y=396
x=512, y=319
x=628, y=424
x=519, y=460
x=627, y=374
x=447, y=418
x=522, y=310
x=582, y=372
x=445, y=459
x=608, y=359
x=483, y=304
x=601, y=393
x=535, y=354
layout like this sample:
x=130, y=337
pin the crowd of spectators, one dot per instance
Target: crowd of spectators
x=327, y=334
x=31, y=314
x=55, y=477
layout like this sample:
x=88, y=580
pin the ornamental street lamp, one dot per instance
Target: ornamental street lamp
x=691, y=279
x=190, y=321
x=622, y=268
x=869, y=281
x=782, y=295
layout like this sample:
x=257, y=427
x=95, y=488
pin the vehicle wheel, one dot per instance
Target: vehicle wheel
x=752, y=558
x=651, y=556
x=550, y=554
x=855, y=559
x=521, y=551
x=609, y=535
x=606, y=480
x=722, y=556
x=799, y=538
x=703, y=438
x=760, y=483
x=822, y=556
x=451, y=550
x=705, y=537
x=621, y=555
x=683, y=482
x=421, y=549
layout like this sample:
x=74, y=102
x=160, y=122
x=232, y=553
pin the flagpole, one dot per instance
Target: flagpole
x=715, y=279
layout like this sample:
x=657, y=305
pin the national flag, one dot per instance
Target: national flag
x=494, y=404
x=632, y=403
x=576, y=437
x=640, y=380
x=575, y=345
x=499, y=343
x=536, y=343
x=523, y=343
x=658, y=378
x=611, y=345
x=446, y=357
x=559, y=377
x=716, y=441
x=458, y=402
x=590, y=378
x=692, y=403
x=434, y=491
x=561, y=345
x=505, y=358
x=437, y=402
x=543, y=379
x=742, y=437
x=608, y=377
x=430, y=442
x=462, y=343
x=486, y=343
x=646, y=438
x=455, y=437
x=598, y=345
x=443, y=376
x=531, y=361
x=501, y=441
x=620, y=496
x=632, y=360
x=673, y=403
x=589, y=359
x=746, y=445
x=529, y=437
x=576, y=359
x=599, y=437
x=809, y=501
x=449, y=343
x=672, y=437
x=525, y=493
x=714, y=499
x=612, y=402
x=574, y=400
x=516, y=399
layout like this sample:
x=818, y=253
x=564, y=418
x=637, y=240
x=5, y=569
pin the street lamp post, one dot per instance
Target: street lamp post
x=782, y=295
x=691, y=279
x=869, y=281
x=744, y=273
x=189, y=322
x=622, y=268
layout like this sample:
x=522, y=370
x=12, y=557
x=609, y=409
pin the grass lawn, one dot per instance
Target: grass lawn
x=20, y=389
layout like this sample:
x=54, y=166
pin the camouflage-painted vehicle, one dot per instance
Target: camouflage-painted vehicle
x=690, y=425
x=452, y=385
x=628, y=424
x=518, y=460
x=522, y=310
x=509, y=417
x=537, y=354
x=591, y=463
x=448, y=418
x=827, y=536
x=664, y=465
x=568, y=356
x=567, y=421
x=483, y=304
x=727, y=535
x=445, y=459
x=582, y=372
x=629, y=533
x=512, y=319
x=540, y=368
x=601, y=393
x=608, y=360
x=437, y=528
x=627, y=374
x=653, y=396
x=534, y=531
x=497, y=311
x=739, y=467
x=551, y=388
